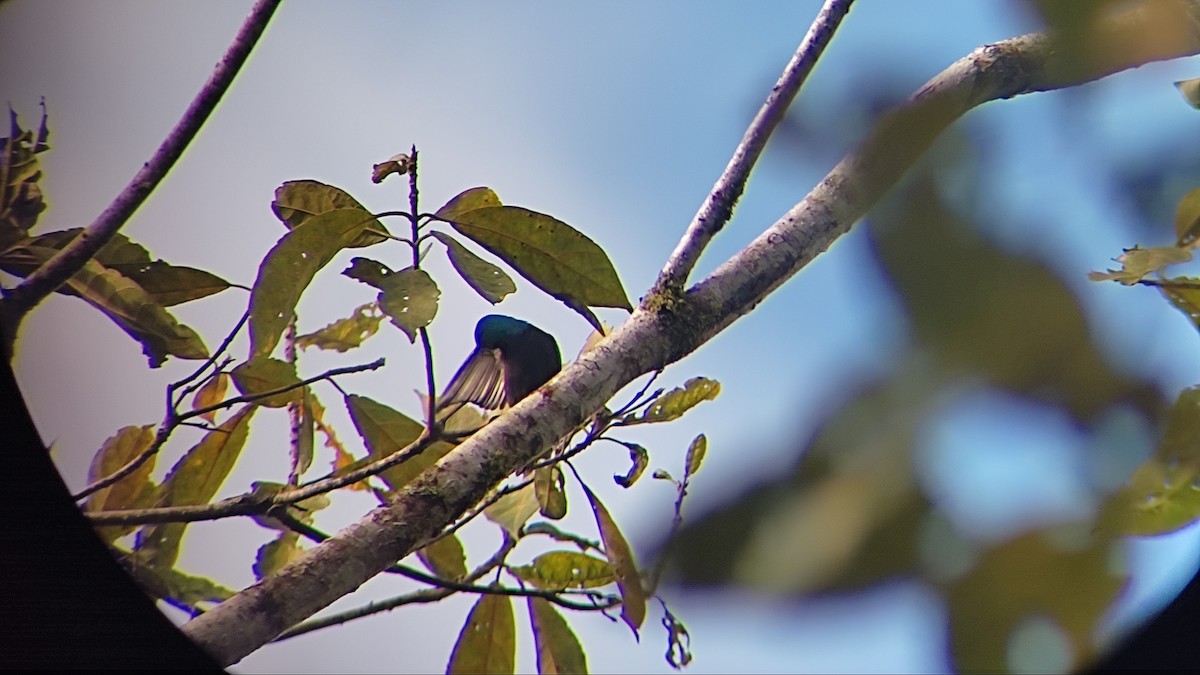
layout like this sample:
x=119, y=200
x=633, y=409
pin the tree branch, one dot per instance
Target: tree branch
x=661, y=331
x=718, y=207
x=17, y=302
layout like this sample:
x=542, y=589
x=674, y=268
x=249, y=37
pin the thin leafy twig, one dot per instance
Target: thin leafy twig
x=175, y=419
x=17, y=302
x=172, y=403
x=717, y=208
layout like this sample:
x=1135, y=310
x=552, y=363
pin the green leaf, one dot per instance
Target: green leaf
x=184, y=589
x=445, y=558
x=695, y=454
x=345, y=334
x=410, y=299
x=368, y=271
x=298, y=200
x=487, y=642
x=131, y=492
x=194, y=480
x=558, y=649
x=1184, y=298
x=1190, y=90
x=273, y=555
x=1187, y=219
x=261, y=375
x=488, y=280
x=629, y=580
x=303, y=432
x=674, y=403
x=552, y=255
x=1136, y=263
x=557, y=570
x=467, y=200
x=552, y=498
x=123, y=301
x=290, y=266
x=384, y=431
x=513, y=510
x=639, y=458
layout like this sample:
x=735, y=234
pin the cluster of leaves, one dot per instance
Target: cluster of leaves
x=121, y=280
x=144, y=521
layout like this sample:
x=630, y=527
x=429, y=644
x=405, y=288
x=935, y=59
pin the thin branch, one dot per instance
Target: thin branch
x=171, y=402
x=717, y=208
x=17, y=302
x=174, y=420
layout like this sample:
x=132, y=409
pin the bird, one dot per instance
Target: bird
x=511, y=359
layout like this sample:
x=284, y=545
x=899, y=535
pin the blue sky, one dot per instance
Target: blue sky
x=616, y=120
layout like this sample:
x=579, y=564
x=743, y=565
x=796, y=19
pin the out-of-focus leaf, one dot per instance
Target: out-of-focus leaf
x=445, y=558
x=629, y=580
x=410, y=299
x=396, y=164
x=1029, y=577
x=183, y=589
x=194, y=479
x=289, y=267
x=489, y=281
x=674, y=403
x=552, y=255
x=384, y=431
x=487, y=642
x=1163, y=495
x=1190, y=90
x=123, y=301
x=1137, y=263
x=552, y=498
x=261, y=375
x=513, y=510
x=131, y=492
x=345, y=334
x=1183, y=297
x=679, y=641
x=557, y=570
x=695, y=454
x=468, y=200
x=276, y=553
x=211, y=393
x=639, y=459
x=1187, y=219
x=298, y=200
x=558, y=649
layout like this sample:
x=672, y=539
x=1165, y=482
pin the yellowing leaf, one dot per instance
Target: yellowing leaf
x=639, y=458
x=487, y=642
x=345, y=334
x=276, y=553
x=695, y=454
x=489, y=281
x=558, y=570
x=298, y=200
x=1136, y=263
x=396, y=164
x=629, y=580
x=558, y=649
x=445, y=558
x=552, y=498
x=212, y=393
x=1190, y=89
x=261, y=375
x=468, y=200
x=513, y=509
x=552, y=255
x=194, y=479
x=132, y=491
x=1187, y=219
x=290, y=266
x=679, y=400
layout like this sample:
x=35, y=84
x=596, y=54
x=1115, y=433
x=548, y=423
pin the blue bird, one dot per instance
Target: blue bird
x=511, y=359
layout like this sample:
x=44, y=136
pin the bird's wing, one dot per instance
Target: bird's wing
x=480, y=380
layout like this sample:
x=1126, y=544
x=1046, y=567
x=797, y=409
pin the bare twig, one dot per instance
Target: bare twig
x=17, y=302
x=718, y=206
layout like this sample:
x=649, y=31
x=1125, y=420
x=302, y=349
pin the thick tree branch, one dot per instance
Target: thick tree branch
x=718, y=207
x=664, y=329
x=17, y=302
